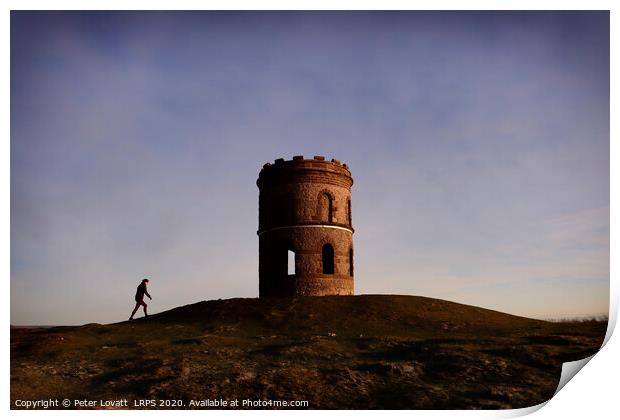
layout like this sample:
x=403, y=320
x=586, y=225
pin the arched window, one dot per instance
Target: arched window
x=328, y=259
x=349, y=212
x=326, y=208
x=291, y=262
x=351, y=262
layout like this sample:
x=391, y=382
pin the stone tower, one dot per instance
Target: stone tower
x=305, y=232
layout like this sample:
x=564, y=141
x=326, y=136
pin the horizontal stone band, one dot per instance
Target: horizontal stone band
x=306, y=226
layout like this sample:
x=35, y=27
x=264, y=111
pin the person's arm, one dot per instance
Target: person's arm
x=147, y=293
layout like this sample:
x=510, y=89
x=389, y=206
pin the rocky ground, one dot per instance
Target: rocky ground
x=357, y=352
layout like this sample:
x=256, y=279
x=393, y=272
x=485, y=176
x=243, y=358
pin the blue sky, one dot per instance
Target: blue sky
x=478, y=141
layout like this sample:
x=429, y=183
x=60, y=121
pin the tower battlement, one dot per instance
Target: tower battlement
x=298, y=164
x=305, y=211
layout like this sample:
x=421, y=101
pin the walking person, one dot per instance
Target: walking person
x=140, y=292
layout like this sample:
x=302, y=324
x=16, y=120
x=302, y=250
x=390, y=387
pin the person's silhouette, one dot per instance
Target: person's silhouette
x=140, y=292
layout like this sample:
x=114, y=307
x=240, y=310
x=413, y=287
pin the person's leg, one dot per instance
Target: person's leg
x=144, y=304
x=134, y=310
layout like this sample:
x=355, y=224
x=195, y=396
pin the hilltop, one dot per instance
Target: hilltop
x=368, y=351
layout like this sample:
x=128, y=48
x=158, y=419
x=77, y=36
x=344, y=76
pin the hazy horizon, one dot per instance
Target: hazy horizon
x=478, y=144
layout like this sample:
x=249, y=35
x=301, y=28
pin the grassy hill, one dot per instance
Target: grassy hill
x=369, y=351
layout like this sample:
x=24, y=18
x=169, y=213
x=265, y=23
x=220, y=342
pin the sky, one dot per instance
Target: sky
x=478, y=144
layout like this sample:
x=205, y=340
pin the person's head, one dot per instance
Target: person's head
x=145, y=281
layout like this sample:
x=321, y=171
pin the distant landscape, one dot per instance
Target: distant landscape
x=336, y=352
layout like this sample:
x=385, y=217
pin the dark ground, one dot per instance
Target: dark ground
x=356, y=352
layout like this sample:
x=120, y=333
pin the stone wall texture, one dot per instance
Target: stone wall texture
x=305, y=207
